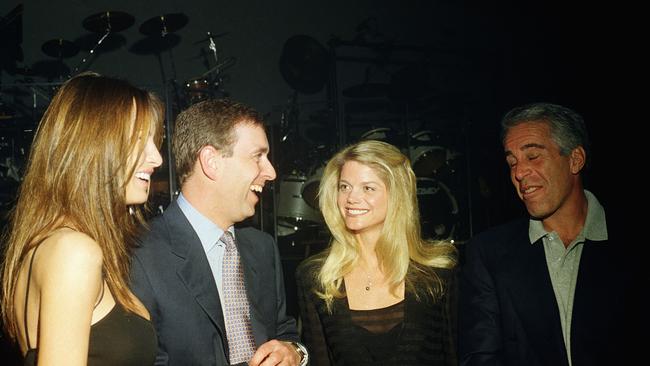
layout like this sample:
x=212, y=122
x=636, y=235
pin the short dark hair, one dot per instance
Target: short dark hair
x=210, y=122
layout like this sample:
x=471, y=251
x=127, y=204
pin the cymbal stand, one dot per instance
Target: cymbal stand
x=91, y=52
x=213, y=47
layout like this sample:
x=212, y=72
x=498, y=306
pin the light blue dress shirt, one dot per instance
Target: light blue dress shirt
x=209, y=234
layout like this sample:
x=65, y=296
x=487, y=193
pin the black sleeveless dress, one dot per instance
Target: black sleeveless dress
x=120, y=338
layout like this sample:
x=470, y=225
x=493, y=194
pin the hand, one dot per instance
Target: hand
x=275, y=352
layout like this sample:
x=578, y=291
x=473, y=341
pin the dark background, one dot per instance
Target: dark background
x=428, y=76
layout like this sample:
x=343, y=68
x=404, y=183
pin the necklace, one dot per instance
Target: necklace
x=369, y=282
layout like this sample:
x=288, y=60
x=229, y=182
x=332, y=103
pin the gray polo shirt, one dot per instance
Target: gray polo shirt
x=563, y=262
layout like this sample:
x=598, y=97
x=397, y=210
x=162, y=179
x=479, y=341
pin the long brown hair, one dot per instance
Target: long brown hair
x=76, y=176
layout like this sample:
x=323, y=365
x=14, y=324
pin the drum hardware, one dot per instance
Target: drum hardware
x=292, y=208
x=304, y=64
x=438, y=209
x=51, y=69
x=155, y=45
x=59, y=48
x=163, y=24
x=208, y=83
x=210, y=35
x=112, y=42
x=385, y=134
x=311, y=186
x=106, y=22
x=429, y=159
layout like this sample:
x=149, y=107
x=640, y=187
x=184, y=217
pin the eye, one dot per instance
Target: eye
x=532, y=156
x=343, y=187
x=369, y=189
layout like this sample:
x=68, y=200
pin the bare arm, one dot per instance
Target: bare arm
x=68, y=277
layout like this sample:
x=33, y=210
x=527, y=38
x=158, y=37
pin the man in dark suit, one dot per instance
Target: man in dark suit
x=557, y=288
x=181, y=271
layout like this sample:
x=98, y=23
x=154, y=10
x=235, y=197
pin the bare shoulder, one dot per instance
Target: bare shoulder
x=71, y=250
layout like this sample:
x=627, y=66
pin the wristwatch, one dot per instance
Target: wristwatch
x=302, y=352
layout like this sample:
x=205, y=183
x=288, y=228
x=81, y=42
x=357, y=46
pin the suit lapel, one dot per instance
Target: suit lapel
x=194, y=269
x=534, y=301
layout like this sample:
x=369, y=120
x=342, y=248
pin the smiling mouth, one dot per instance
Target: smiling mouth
x=143, y=176
x=356, y=212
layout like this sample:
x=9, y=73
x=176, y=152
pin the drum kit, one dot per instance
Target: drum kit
x=160, y=35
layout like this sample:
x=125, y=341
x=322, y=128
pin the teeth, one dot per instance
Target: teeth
x=143, y=176
x=528, y=190
x=257, y=188
x=356, y=212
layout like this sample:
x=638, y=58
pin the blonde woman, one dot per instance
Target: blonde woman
x=380, y=294
x=65, y=297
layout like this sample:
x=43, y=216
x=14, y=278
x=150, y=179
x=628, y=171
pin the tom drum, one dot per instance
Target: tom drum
x=292, y=208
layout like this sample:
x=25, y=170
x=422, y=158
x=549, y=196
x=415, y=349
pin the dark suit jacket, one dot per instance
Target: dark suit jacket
x=509, y=315
x=171, y=275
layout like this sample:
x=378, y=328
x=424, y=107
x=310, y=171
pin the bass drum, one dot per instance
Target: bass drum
x=438, y=209
x=311, y=186
x=429, y=159
x=292, y=208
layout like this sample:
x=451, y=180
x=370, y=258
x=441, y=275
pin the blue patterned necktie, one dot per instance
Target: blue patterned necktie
x=238, y=324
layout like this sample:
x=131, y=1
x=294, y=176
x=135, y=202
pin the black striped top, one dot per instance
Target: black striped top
x=410, y=332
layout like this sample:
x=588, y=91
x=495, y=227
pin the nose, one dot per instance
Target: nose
x=153, y=156
x=268, y=172
x=353, y=195
x=520, y=171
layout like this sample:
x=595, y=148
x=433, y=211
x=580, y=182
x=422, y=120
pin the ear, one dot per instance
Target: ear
x=577, y=159
x=210, y=162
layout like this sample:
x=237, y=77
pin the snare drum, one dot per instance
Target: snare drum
x=292, y=208
x=197, y=89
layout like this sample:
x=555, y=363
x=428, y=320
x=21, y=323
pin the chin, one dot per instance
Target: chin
x=136, y=200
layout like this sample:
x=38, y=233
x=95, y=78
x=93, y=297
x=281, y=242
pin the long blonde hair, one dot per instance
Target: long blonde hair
x=76, y=176
x=403, y=255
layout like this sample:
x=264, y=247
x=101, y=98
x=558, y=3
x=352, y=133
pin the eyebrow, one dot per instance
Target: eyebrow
x=526, y=147
x=261, y=149
x=362, y=183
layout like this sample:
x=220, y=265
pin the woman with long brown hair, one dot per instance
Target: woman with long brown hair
x=65, y=294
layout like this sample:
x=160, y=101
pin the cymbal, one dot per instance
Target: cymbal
x=108, y=21
x=155, y=45
x=304, y=64
x=59, y=48
x=163, y=24
x=50, y=69
x=112, y=42
x=366, y=90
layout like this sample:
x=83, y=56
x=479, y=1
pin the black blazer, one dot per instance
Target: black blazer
x=170, y=274
x=509, y=315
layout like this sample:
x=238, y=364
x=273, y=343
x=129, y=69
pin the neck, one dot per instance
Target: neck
x=195, y=194
x=570, y=218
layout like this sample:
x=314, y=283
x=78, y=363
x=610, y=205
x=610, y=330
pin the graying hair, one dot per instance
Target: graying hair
x=567, y=127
